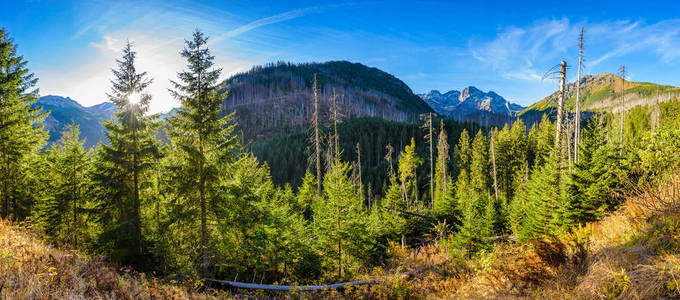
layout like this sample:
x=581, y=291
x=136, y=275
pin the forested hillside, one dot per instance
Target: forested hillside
x=426, y=208
x=288, y=156
x=278, y=98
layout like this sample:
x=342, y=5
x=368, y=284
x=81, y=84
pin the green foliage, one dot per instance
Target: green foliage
x=203, y=146
x=539, y=207
x=340, y=222
x=21, y=136
x=61, y=211
x=286, y=154
x=444, y=202
x=122, y=165
x=594, y=180
x=541, y=142
x=408, y=163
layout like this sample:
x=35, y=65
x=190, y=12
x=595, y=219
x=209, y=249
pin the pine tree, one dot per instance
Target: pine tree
x=593, y=178
x=541, y=142
x=202, y=138
x=429, y=138
x=306, y=195
x=124, y=162
x=20, y=132
x=479, y=166
x=340, y=220
x=408, y=163
x=463, y=151
x=69, y=167
x=539, y=208
x=444, y=200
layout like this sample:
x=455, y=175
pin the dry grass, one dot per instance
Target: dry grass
x=633, y=253
x=32, y=269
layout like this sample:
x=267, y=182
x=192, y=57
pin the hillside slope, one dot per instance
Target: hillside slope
x=601, y=92
x=278, y=98
x=30, y=268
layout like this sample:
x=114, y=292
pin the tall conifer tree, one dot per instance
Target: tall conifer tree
x=69, y=179
x=20, y=134
x=202, y=138
x=123, y=163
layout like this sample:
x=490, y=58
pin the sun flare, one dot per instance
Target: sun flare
x=134, y=98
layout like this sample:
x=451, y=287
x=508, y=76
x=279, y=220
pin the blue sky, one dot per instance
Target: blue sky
x=504, y=46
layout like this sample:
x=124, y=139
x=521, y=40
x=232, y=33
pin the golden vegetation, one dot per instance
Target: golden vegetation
x=32, y=269
x=633, y=253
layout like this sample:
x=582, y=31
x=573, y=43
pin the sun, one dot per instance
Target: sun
x=134, y=98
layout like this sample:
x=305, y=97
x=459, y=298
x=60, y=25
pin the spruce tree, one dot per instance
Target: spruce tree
x=463, y=151
x=123, y=165
x=541, y=141
x=408, y=163
x=69, y=167
x=340, y=219
x=202, y=139
x=539, y=207
x=444, y=200
x=593, y=178
x=306, y=195
x=479, y=166
x=20, y=132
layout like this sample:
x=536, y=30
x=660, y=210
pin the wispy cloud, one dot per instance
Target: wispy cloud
x=524, y=53
x=289, y=15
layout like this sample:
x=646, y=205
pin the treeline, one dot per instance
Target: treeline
x=288, y=156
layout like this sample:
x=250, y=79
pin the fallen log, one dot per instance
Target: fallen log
x=301, y=288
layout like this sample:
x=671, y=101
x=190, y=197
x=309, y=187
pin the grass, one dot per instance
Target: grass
x=32, y=269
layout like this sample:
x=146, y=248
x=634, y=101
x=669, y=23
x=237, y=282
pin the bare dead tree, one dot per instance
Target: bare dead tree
x=493, y=163
x=336, y=138
x=361, y=185
x=560, y=105
x=623, y=99
x=316, y=138
x=560, y=102
x=428, y=137
x=577, y=118
x=388, y=157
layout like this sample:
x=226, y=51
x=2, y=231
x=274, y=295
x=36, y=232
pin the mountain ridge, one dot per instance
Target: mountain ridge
x=64, y=110
x=277, y=98
x=600, y=93
x=472, y=104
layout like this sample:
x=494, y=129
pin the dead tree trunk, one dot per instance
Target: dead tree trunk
x=560, y=107
x=429, y=140
x=577, y=118
x=336, y=138
x=361, y=185
x=317, y=143
x=623, y=101
x=493, y=163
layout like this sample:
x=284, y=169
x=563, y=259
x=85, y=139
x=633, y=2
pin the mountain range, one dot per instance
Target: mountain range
x=278, y=99
x=472, y=104
x=64, y=110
